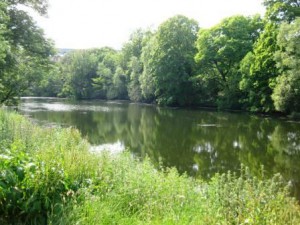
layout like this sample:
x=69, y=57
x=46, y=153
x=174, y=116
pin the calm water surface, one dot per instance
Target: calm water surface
x=198, y=142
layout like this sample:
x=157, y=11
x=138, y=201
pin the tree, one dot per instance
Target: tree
x=132, y=64
x=50, y=86
x=24, y=51
x=110, y=81
x=134, y=86
x=259, y=72
x=40, y=6
x=171, y=60
x=220, y=50
x=133, y=47
x=120, y=84
x=80, y=67
x=286, y=94
x=102, y=84
x=259, y=67
x=147, y=78
x=4, y=45
x=282, y=10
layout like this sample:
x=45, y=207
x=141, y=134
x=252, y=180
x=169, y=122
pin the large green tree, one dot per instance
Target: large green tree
x=259, y=67
x=171, y=60
x=286, y=94
x=24, y=51
x=259, y=72
x=220, y=50
x=79, y=68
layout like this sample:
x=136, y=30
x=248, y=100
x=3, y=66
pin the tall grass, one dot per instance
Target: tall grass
x=48, y=176
x=40, y=169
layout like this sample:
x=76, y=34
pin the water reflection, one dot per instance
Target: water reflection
x=117, y=147
x=200, y=143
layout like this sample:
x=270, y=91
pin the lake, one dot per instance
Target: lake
x=196, y=141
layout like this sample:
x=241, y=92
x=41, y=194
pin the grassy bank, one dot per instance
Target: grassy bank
x=48, y=176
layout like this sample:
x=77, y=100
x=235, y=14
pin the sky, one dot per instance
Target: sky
x=80, y=24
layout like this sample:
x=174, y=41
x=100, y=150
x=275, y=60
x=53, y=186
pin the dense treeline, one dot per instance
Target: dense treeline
x=248, y=63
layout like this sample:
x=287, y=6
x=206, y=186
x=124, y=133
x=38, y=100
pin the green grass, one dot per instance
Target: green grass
x=48, y=176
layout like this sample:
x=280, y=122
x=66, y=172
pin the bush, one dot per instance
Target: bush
x=136, y=193
x=40, y=169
